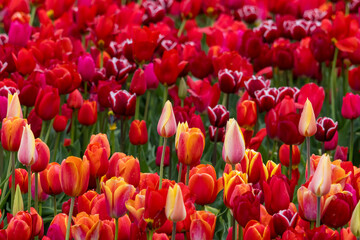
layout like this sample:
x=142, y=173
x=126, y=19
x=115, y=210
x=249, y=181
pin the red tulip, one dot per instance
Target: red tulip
x=144, y=43
x=122, y=102
x=118, y=69
x=315, y=94
x=284, y=220
x=284, y=155
x=321, y=46
x=87, y=114
x=86, y=67
x=138, y=83
x=50, y=179
x=75, y=100
x=253, y=165
x=60, y=123
x=277, y=194
x=230, y=81
x=326, y=128
x=203, y=94
x=138, y=134
x=191, y=146
x=25, y=61
x=43, y=156
x=154, y=213
x=351, y=106
x=47, y=103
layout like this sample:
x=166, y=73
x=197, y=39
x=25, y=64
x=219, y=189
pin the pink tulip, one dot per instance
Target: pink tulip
x=27, y=153
x=167, y=124
x=234, y=144
x=321, y=181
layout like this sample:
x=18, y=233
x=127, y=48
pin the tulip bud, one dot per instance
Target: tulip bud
x=14, y=107
x=88, y=113
x=60, y=123
x=167, y=124
x=246, y=114
x=355, y=221
x=307, y=122
x=138, y=83
x=75, y=99
x=138, y=134
x=351, y=106
x=234, y=144
x=27, y=154
x=11, y=132
x=47, y=103
x=191, y=146
x=321, y=181
x=182, y=89
x=43, y=154
x=326, y=129
x=18, y=202
x=175, y=209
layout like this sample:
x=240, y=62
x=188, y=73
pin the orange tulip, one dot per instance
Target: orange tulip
x=14, y=107
x=202, y=225
x=98, y=159
x=86, y=226
x=246, y=114
x=321, y=181
x=191, y=146
x=117, y=192
x=307, y=123
x=175, y=208
x=11, y=133
x=234, y=144
x=27, y=154
x=256, y=231
x=74, y=176
x=85, y=201
x=58, y=226
x=182, y=127
x=129, y=168
x=103, y=140
x=50, y=179
x=136, y=207
x=167, y=124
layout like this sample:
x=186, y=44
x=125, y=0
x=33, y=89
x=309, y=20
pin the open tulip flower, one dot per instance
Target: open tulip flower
x=85, y=121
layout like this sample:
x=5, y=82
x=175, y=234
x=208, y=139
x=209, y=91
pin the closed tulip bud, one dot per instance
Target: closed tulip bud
x=256, y=231
x=326, y=128
x=47, y=103
x=27, y=153
x=167, y=124
x=229, y=80
x=355, y=221
x=14, y=107
x=307, y=123
x=117, y=192
x=74, y=176
x=21, y=179
x=284, y=154
x=138, y=134
x=75, y=100
x=321, y=180
x=88, y=113
x=103, y=140
x=182, y=127
x=122, y=102
x=218, y=116
x=191, y=146
x=128, y=168
x=246, y=114
x=234, y=144
x=98, y=159
x=138, y=83
x=50, y=179
x=11, y=133
x=202, y=225
x=60, y=123
x=18, y=202
x=43, y=154
x=175, y=209
x=182, y=89
x=351, y=106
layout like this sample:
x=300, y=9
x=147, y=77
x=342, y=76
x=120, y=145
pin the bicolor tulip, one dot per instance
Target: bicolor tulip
x=11, y=133
x=138, y=134
x=50, y=179
x=167, y=124
x=98, y=159
x=234, y=144
x=43, y=153
x=307, y=123
x=117, y=192
x=74, y=176
x=246, y=114
x=87, y=114
x=321, y=181
x=232, y=179
x=86, y=200
x=103, y=140
x=218, y=115
x=14, y=107
x=256, y=83
x=181, y=127
x=253, y=165
x=57, y=228
x=128, y=168
x=202, y=225
x=351, y=106
x=47, y=103
x=27, y=153
x=355, y=221
x=256, y=231
x=123, y=103
x=326, y=129
x=230, y=81
x=86, y=226
x=136, y=207
x=191, y=146
x=266, y=98
x=175, y=209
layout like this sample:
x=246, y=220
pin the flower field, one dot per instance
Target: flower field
x=179, y=119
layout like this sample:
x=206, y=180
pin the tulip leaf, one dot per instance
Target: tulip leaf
x=212, y=210
x=18, y=201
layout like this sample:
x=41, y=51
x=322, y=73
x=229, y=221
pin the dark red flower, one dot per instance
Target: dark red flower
x=122, y=102
x=326, y=128
x=218, y=116
x=47, y=103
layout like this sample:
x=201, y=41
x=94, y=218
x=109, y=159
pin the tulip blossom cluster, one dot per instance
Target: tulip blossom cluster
x=179, y=119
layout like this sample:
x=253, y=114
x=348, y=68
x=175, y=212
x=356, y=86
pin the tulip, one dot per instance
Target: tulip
x=88, y=113
x=19, y=33
x=138, y=134
x=277, y=194
x=266, y=98
x=256, y=83
x=60, y=123
x=50, y=179
x=234, y=145
x=98, y=159
x=138, y=83
x=307, y=123
x=58, y=226
x=21, y=179
x=202, y=225
x=232, y=179
x=27, y=154
x=14, y=107
x=144, y=43
x=151, y=80
x=307, y=204
x=20, y=226
x=122, y=102
x=128, y=168
x=103, y=140
x=218, y=115
x=117, y=192
x=190, y=146
x=355, y=221
x=86, y=67
x=11, y=132
x=86, y=226
x=136, y=207
x=257, y=231
x=47, y=103
x=253, y=165
x=154, y=213
x=326, y=128
x=181, y=127
x=75, y=99
x=230, y=81
x=175, y=209
x=284, y=155
x=246, y=114
x=315, y=94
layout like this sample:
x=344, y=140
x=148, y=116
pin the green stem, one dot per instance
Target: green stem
x=187, y=175
x=85, y=136
x=101, y=59
x=318, y=208
x=332, y=83
x=98, y=185
x=240, y=232
x=180, y=172
x=351, y=147
x=182, y=102
x=308, y=157
x=36, y=191
x=40, y=209
x=72, y=130
x=346, y=8
x=32, y=16
x=148, y=96
x=162, y=163
x=274, y=151
x=116, y=228
x=112, y=141
x=69, y=219
x=122, y=137
x=225, y=101
x=214, y=154
x=234, y=228
x=137, y=106
x=173, y=231
x=12, y=160
x=165, y=95
x=2, y=164
x=56, y=146
x=55, y=206
x=49, y=130
x=181, y=28
x=290, y=161
x=29, y=187
x=5, y=186
x=150, y=235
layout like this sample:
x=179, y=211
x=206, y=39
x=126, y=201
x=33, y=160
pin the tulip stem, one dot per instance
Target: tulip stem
x=72, y=131
x=29, y=187
x=98, y=185
x=55, y=206
x=162, y=163
x=148, y=95
x=116, y=228
x=32, y=16
x=308, y=157
x=180, y=172
x=290, y=161
x=234, y=228
x=69, y=219
x=56, y=146
x=36, y=191
x=225, y=102
x=85, y=136
x=351, y=147
x=150, y=235
x=187, y=174
x=214, y=155
x=181, y=28
x=50, y=123
x=101, y=59
x=137, y=106
x=12, y=160
x=112, y=141
x=173, y=231
x=318, y=207
x=332, y=83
